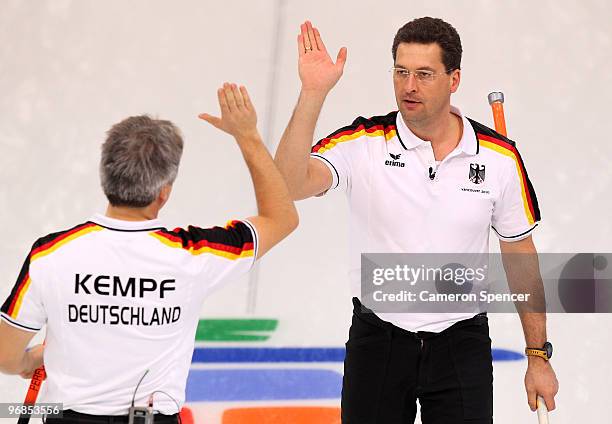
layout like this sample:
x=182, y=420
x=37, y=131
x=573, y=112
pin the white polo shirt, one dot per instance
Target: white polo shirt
x=401, y=201
x=119, y=298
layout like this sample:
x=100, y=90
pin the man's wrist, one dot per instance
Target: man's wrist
x=536, y=361
x=314, y=95
x=248, y=138
x=544, y=352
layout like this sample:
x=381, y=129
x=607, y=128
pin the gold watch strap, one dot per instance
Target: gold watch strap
x=536, y=352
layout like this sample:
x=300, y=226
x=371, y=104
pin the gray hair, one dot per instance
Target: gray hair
x=139, y=157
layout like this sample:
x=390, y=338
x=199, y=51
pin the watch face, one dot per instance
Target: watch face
x=548, y=347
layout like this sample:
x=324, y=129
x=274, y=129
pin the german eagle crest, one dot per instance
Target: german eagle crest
x=477, y=173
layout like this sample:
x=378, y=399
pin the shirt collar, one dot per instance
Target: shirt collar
x=119, y=224
x=468, y=143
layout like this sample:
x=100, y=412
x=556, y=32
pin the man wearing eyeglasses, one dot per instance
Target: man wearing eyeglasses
x=424, y=179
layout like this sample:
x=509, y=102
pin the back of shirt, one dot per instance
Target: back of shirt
x=120, y=298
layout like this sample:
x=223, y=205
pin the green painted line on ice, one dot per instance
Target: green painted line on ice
x=235, y=330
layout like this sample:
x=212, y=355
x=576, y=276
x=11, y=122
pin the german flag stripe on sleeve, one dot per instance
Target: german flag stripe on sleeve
x=234, y=241
x=43, y=247
x=530, y=202
x=378, y=126
x=13, y=303
x=50, y=244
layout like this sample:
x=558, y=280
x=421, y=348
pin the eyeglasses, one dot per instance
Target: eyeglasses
x=421, y=75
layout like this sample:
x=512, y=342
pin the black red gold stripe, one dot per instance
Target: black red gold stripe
x=42, y=247
x=377, y=126
x=60, y=239
x=506, y=148
x=232, y=242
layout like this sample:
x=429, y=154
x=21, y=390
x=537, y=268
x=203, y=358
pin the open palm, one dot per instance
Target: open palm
x=317, y=70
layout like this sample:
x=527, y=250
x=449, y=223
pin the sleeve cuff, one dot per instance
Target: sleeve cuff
x=15, y=324
x=255, y=239
x=515, y=237
x=332, y=169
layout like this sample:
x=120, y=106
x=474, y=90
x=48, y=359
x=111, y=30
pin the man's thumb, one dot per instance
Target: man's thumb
x=341, y=59
x=213, y=120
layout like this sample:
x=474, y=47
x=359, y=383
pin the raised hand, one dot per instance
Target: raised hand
x=238, y=116
x=317, y=70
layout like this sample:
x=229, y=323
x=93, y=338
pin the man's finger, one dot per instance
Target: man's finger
x=213, y=120
x=245, y=95
x=229, y=95
x=222, y=101
x=305, y=40
x=550, y=402
x=237, y=96
x=341, y=59
x=532, y=399
x=311, y=37
x=300, y=46
x=320, y=44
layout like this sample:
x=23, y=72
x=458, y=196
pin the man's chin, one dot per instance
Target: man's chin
x=411, y=115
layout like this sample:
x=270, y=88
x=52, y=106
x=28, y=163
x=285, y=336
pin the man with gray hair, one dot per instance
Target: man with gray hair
x=120, y=294
x=134, y=173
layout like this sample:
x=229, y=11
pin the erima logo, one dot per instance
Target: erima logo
x=395, y=161
x=477, y=173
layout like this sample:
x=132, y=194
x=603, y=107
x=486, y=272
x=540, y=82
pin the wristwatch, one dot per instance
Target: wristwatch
x=545, y=352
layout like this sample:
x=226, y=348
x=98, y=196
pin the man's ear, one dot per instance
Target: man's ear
x=164, y=195
x=455, y=79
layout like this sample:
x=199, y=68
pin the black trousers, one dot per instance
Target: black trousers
x=387, y=369
x=73, y=417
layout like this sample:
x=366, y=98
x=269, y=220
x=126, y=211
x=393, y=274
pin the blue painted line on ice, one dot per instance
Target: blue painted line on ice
x=265, y=354
x=262, y=384
x=506, y=355
x=294, y=354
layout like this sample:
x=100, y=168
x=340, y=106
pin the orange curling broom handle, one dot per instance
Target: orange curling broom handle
x=33, y=389
x=35, y=383
x=496, y=100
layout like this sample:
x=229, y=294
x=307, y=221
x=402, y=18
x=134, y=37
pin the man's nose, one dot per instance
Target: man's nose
x=410, y=83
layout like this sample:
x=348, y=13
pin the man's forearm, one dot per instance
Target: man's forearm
x=524, y=276
x=14, y=358
x=16, y=365
x=271, y=193
x=526, y=279
x=534, y=328
x=523, y=273
x=293, y=152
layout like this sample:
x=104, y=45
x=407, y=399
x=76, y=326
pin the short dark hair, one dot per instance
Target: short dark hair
x=429, y=30
x=140, y=156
